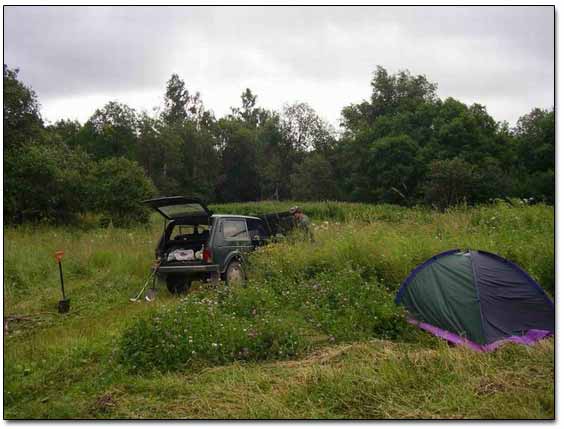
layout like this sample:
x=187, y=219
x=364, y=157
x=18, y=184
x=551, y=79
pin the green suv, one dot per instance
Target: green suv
x=199, y=245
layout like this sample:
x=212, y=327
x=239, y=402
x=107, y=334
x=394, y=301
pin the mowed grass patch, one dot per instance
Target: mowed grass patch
x=368, y=380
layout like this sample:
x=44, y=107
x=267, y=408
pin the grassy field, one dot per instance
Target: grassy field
x=313, y=335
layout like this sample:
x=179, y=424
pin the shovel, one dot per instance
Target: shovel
x=152, y=292
x=64, y=304
x=143, y=288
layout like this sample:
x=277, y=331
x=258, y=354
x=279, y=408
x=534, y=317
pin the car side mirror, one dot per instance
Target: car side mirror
x=256, y=240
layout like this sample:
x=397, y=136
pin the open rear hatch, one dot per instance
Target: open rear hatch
x=181, y=209
x=183, y=249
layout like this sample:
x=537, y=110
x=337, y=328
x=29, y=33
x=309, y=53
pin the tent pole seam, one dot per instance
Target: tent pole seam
x=475, y=275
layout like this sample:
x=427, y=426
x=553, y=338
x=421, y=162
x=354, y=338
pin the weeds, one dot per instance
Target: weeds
x=265, y=320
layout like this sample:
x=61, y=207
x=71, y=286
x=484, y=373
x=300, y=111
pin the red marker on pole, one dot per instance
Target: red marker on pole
x=64, y=304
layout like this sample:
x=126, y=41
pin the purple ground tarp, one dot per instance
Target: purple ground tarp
x=531, y=337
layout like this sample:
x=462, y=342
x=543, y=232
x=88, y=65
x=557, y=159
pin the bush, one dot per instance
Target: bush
x=256, y=299
x=55, y=183
x=350, y=308
x=121, y=185
x=265, y=320
x=198, y=331
x=48, y=183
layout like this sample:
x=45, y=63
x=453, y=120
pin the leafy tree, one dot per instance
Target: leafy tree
x=167, y=176
x=22, y=120
x=465, y=132
x=299, y=132
x=535, y=133
x=492, y=181
x=110, y=132
x=63, y=131
x=303, y=129
x=180, y=105
x=391, y=94
x=240, y=180
x=449, y=182
x=120, y=186
x=380, y=150
x=149, y=145
x=183, y=155
x=407, y=105
x=535, y=164
x=313, y=179
x=538, y=185
x=46, y=182
x=198, y=160
x=176, y=101
x=392, y=170
x=249, y=113
x=249, y=142
x=160, y=152
x=272, y=153
x=207, y=165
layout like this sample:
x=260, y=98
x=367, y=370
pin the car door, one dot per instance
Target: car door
x=257, y=232
x=233, y=239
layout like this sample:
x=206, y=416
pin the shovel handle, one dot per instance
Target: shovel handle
x=62, y=282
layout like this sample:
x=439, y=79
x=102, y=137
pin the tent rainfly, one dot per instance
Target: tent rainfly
x=477, y=299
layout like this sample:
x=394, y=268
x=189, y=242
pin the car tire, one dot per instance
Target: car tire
x=235, y=274
x=178, y=284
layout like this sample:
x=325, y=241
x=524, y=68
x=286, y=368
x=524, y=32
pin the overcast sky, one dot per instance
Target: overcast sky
x=79, y=58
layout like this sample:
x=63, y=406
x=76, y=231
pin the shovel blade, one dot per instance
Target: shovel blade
x=64, y=306
x=151, y=295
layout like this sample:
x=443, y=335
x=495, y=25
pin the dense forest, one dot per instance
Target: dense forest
x=403, y=145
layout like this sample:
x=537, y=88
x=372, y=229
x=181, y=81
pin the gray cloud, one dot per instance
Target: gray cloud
x=502, y=57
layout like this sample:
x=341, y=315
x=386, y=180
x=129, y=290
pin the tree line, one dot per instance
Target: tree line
x=403, y=145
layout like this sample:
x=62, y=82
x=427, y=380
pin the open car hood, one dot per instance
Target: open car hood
x=181, y=208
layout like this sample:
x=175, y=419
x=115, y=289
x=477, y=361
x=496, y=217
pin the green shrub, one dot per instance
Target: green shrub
x=200, y=332
x=342, y=305
x=57, y=184
x=252, y=301
x=350, y=308
x=121, y=185
x=42, y=182
x=265, y=320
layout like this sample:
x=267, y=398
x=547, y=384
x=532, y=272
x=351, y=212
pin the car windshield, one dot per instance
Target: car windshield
x=183, y=210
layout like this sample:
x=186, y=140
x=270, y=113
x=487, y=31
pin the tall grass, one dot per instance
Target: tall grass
x=388, y=241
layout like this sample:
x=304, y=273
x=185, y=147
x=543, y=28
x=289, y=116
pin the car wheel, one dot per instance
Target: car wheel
x=235, y=274
x=178, y=284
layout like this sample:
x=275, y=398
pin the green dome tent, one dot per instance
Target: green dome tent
x=478, y=299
